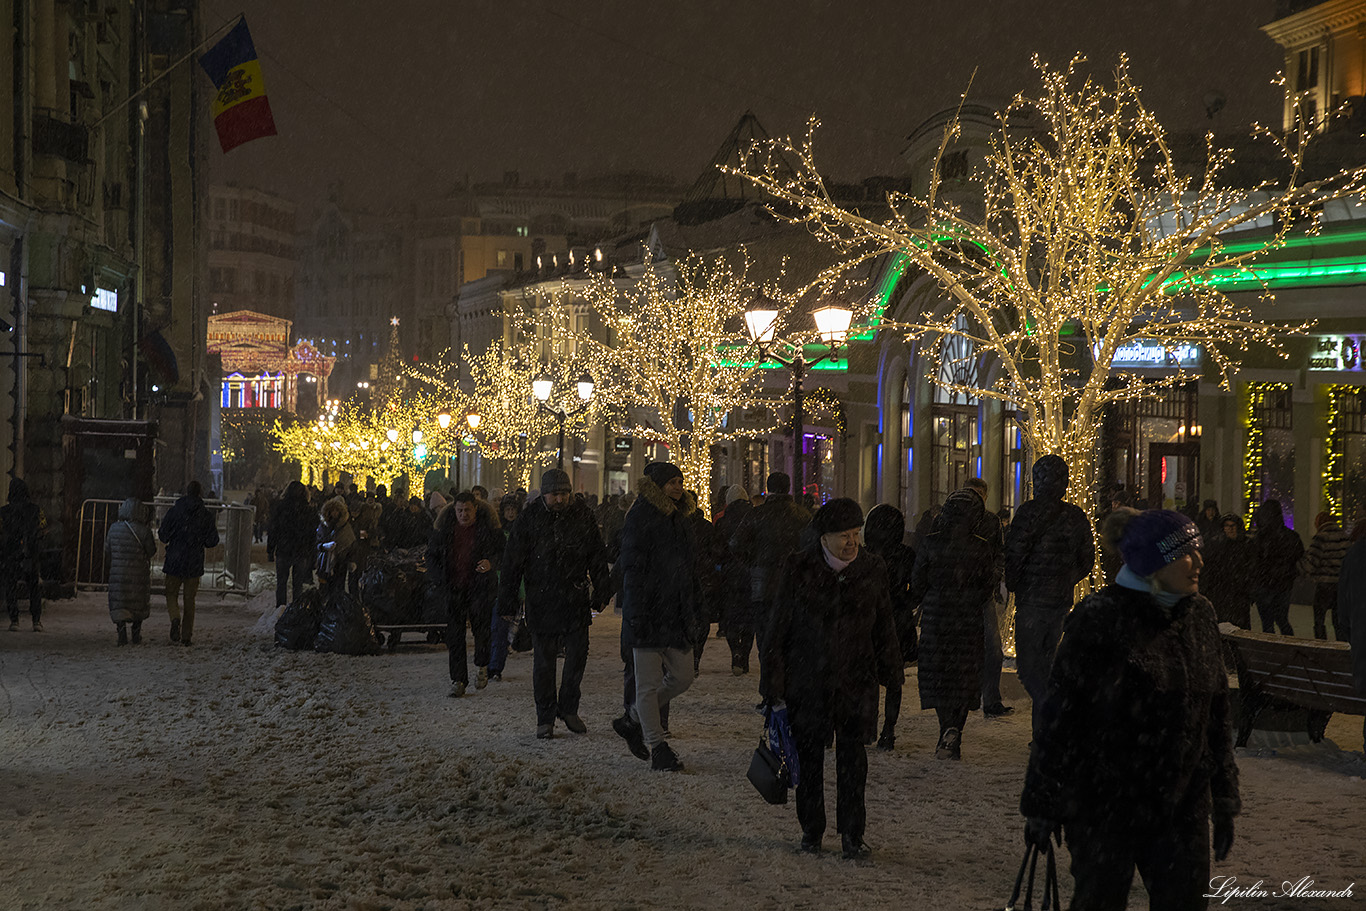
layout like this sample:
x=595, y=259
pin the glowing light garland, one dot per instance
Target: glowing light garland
x=667, y=367
x=512, y=424
x=1334, y=474
x=1254, y=445
x=1085, y=223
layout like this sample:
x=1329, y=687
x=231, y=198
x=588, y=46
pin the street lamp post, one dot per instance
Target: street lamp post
x=832, y=325
x=542, y=386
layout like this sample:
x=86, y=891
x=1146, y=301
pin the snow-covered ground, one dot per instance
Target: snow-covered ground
x=236, y=775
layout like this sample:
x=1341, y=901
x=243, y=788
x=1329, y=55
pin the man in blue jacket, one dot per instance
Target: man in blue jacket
x=187, y=530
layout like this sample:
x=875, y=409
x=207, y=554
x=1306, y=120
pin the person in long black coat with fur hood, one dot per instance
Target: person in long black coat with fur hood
x=831, y=641
x=1134, y=750
x=954, y=575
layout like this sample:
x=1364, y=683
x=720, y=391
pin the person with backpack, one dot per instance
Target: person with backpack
x=21, y=532
x=187, y=529
x=129, y=547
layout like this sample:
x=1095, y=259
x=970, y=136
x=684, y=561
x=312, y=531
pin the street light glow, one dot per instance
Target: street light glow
x=832, y=322
x=541, y=387
x=761, y=325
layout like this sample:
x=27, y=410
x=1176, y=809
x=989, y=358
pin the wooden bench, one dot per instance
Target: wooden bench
x=395, y=631
x=1311, y=674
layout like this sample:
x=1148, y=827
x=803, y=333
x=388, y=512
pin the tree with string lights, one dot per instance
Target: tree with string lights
x=512, y=423
x=1086, y=237
x=674, y=366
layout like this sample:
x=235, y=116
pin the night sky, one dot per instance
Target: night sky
x=401, y=99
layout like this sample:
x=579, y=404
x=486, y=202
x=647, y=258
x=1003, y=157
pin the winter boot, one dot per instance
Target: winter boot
x=950, y=745
x=629, y=731
x=481, y=677
x=887, y=741
x=664, y=759
x=854, y=848
x=137, y=632
x=123, y=634
x=175, y=630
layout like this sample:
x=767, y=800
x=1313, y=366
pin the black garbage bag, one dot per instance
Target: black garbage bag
x=346, y=627
x=393, y=585
x=298, y=626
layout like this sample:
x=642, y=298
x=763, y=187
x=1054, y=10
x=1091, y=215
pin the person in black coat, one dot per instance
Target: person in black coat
x=732, y=576
x=1228, y=573
x=762, y=542
x=500, y=628
x=993, y=655
x=883, y=532
x=1134, y=750
x=21, y=533
x=660, y=607
x=463, y=553
x=831, y=641
x=954, y=574
x=187, y=529
x=1277, y=550
x=290, y=541
x=555, y=546
x=1049, y=549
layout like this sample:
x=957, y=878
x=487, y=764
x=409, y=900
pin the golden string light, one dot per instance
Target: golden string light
x=1084, y=236
x=667, y=363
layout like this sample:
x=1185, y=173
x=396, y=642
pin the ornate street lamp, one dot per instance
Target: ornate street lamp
x=832, y=325
x=542, y=386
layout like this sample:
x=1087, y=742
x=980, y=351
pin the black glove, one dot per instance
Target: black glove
x=1039, y=829
x=1223, y=835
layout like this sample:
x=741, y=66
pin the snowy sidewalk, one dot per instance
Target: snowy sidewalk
x=236, y=775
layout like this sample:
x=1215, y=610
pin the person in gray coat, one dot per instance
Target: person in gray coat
x=128, y=550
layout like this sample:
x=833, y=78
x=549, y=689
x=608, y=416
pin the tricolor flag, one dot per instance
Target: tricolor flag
x=241, y=111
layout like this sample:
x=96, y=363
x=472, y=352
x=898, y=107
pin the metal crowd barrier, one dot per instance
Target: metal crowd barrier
x=227, y=567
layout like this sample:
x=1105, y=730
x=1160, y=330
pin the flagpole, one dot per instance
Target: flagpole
x=166, y=72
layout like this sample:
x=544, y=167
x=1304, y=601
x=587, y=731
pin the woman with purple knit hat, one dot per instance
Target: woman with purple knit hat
x=1133, y=753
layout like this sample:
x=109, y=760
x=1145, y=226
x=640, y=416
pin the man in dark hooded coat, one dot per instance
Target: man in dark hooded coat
x=1049, y=549
x=21, y=531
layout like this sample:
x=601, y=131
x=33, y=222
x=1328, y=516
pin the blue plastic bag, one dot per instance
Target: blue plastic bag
x=778, y=732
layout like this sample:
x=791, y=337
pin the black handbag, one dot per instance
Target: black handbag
x=1052, y=899
x=768, y=774
x=521, y=636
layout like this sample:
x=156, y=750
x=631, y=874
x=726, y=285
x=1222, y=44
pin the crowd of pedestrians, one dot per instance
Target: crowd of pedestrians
x=1130, y=759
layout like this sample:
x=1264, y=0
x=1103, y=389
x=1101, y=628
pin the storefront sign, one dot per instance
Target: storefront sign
x=622, y=444
x=1152, y=353
x=1337, y=352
